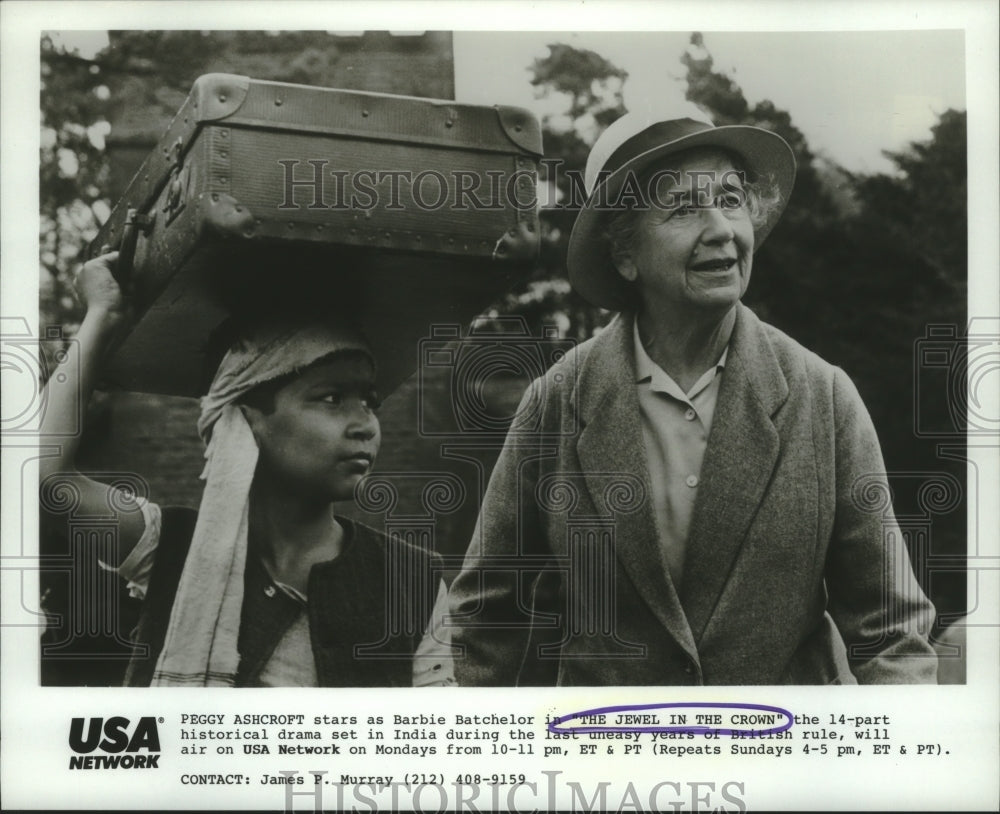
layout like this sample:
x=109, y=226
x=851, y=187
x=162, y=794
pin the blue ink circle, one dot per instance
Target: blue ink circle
x=554, y=725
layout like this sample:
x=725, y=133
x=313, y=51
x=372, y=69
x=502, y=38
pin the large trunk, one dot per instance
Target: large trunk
x=404, y=213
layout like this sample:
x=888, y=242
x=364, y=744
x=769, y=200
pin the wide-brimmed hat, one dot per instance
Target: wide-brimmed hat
x=628, y=147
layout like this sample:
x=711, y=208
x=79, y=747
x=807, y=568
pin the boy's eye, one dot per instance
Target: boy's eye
x=370, y=399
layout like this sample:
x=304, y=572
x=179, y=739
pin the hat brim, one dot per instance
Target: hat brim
x=592, y=271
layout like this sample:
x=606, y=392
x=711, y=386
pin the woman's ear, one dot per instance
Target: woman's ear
x=625, y=265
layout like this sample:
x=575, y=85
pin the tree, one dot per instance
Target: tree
x=910, y=270
x=72, y=172
x=924, y=204
x=587, y=89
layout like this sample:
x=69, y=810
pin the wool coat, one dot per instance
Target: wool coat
x=795, y=571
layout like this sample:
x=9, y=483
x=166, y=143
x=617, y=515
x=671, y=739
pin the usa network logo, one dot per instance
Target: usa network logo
x=122, y=745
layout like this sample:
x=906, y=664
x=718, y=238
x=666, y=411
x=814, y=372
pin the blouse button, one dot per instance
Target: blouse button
x=690, y=414
x=269, y=591
x=691, y=480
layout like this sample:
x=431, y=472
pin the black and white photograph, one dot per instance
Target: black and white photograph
x=493, y=417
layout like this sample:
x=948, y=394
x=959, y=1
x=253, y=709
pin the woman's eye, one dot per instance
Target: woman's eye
x=731, y=200
x=684, y=211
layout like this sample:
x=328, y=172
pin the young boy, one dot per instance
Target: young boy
x=264, y=585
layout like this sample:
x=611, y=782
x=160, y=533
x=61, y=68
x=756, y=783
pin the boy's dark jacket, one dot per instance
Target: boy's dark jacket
x=368, y=608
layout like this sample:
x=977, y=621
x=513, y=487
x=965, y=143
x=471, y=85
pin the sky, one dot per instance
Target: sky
x=853, y=94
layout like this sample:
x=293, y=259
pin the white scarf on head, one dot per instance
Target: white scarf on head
x=200, y=647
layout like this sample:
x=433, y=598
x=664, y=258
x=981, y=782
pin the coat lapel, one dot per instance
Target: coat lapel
x=611, y=443
x=742, y=451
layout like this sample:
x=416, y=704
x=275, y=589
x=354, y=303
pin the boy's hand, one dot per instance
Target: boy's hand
x=99, y=291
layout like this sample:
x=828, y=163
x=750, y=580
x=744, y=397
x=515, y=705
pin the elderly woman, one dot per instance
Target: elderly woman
x=679, y=501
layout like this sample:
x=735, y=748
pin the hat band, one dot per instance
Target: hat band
x=653, y=136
